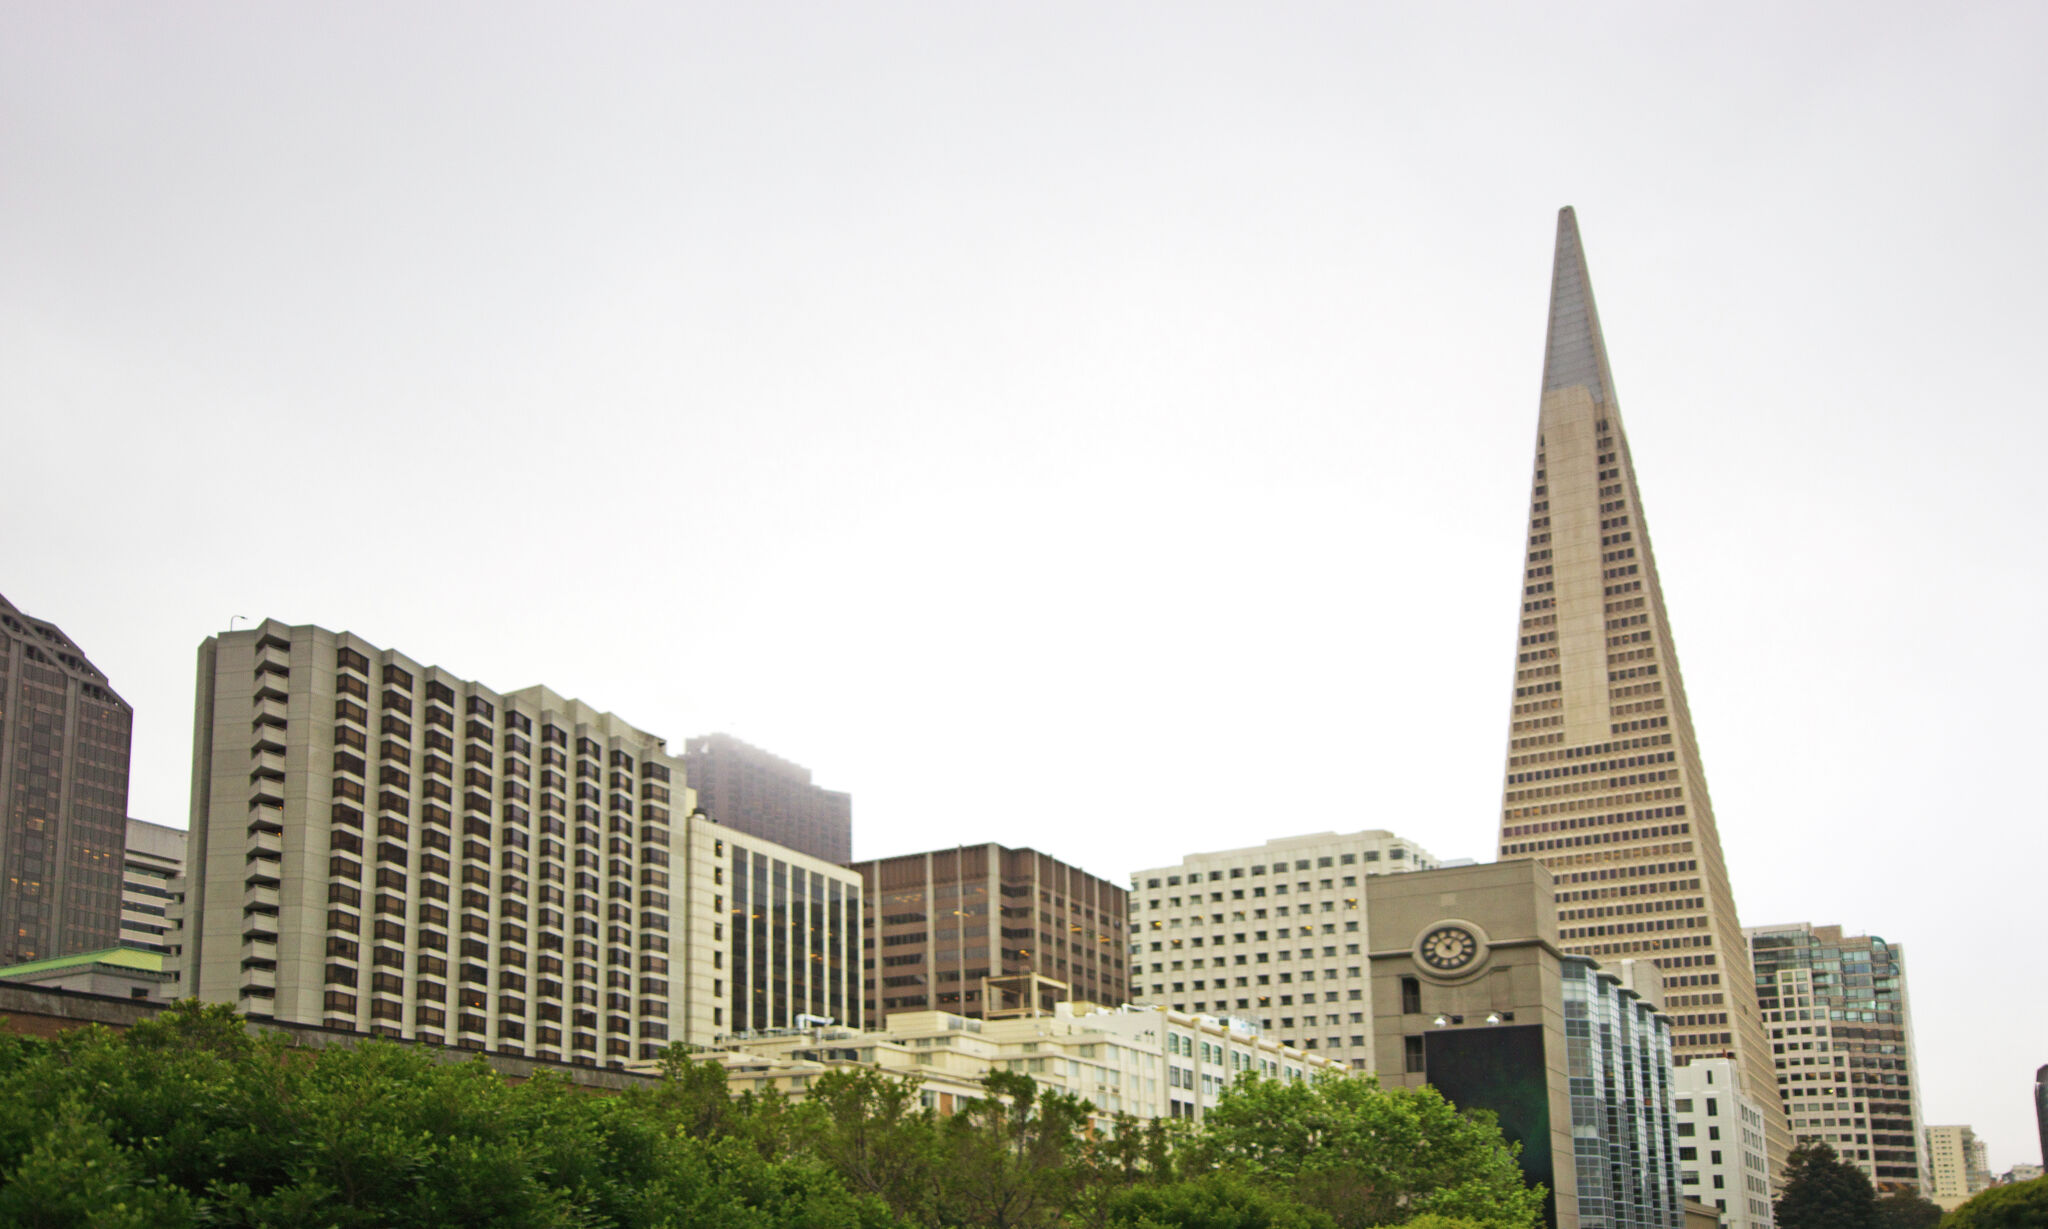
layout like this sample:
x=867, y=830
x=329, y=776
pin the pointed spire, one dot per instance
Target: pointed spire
x=1575, y=354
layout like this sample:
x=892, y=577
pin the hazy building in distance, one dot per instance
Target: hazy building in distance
x=63, y=794
x=1841, y=1027
x=763, y=795
x=1604, y=783
x=1959, y=1164
x=1274, y=934
x=1721, y=1156
x=1473, y=995
x=154, y=860
x=983, y=931
x=2041, y=1109
x=378, y=845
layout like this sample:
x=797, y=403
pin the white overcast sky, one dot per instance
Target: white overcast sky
x=1101, y=427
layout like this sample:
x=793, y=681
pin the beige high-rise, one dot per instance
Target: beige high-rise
x=380, y=846
x=1604, y=784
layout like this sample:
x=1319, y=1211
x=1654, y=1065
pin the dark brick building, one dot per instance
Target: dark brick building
x=751, y=791
x=942, y=926
x=63, y=795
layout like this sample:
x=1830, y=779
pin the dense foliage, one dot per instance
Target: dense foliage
x=2018, y=1205
x=1906, y=1210
x=189, y=1120
x=1823, y=1191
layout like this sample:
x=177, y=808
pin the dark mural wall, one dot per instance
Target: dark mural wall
x=1500, y=1068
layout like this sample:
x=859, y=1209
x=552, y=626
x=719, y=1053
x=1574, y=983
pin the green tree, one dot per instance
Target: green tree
x=875, y=1133
x=1212, y=1201
x=2019, y=1205
x=1013, y=1159
x=1907, y=1210
x=1368, y=1155
x=1822, y=1191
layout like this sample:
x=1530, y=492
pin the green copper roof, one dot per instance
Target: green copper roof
x=119, y=957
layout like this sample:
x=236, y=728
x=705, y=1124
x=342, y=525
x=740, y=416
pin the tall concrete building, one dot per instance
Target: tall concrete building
x=63, y=794
x=985, y=932
x=1959, y=1165
x=1273, y=934
x=1841, y=1026
x=1604, y=783
x=751, y=791
x=150, y=871
x=380, y=846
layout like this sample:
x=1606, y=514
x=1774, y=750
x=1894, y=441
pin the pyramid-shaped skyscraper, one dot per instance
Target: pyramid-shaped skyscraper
x=1603, y=782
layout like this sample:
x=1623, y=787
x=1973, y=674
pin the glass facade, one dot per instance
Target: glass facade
x=1624, y=1157
x=794, y=935
x=64, y=739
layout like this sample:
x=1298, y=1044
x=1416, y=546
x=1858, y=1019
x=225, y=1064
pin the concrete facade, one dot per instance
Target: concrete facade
x=377, y=845
x=1959, y=1164
x=1472, y=993
x=1271, y=933
x=64, y=739
x=1143, y=1061
x=150, y=872
x=763, y=795
x=1604, y=783
x=981, y=930
x=115, y=972
x=1841, y=1026
x=1722, y=1160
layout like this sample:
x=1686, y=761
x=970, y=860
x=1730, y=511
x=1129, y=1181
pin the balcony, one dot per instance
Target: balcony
x=261, y=897
x=271, y=713
x=272, y=655
x=261, y=872
x=259, y=950
x=266, y=792
x=266, y=763
x=266, y=816
x=266, y=843
x=259, y=926
x=269, y=737
x=259, y=979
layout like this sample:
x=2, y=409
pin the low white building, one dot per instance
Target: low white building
x=1147, y=1062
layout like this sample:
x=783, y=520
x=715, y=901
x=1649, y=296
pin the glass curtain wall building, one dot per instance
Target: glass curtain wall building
x=795, y=936
x=1619, y=1050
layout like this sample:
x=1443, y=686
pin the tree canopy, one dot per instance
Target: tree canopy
x=1822, y=1191
x=2017, y=1205
x=188, y=1119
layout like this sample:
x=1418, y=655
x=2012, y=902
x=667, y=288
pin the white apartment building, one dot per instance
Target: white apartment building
x=1722, y=1158
x=1960, y=1165
x=1273, y=934
x=1143, y=1061
x=155, y=858
x=380, y=846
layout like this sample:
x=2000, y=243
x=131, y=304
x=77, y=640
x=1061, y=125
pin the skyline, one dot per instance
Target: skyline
x=964, y=389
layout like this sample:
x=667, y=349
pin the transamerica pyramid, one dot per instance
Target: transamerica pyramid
x=1603, y=782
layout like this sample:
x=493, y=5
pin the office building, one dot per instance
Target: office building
x=150, y=867
x=1473, y=994
x=1604, y=783
x=1271, y=933
x=1721, y=1156
x=378, y=845
x=63, y=794
x=1841, y=1029
x=1958, y=1165
x=766, y=796
x=982, y=931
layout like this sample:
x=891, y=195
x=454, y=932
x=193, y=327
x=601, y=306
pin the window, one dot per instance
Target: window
x=1411, y=996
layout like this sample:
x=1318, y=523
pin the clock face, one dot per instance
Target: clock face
x=1448, y=948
